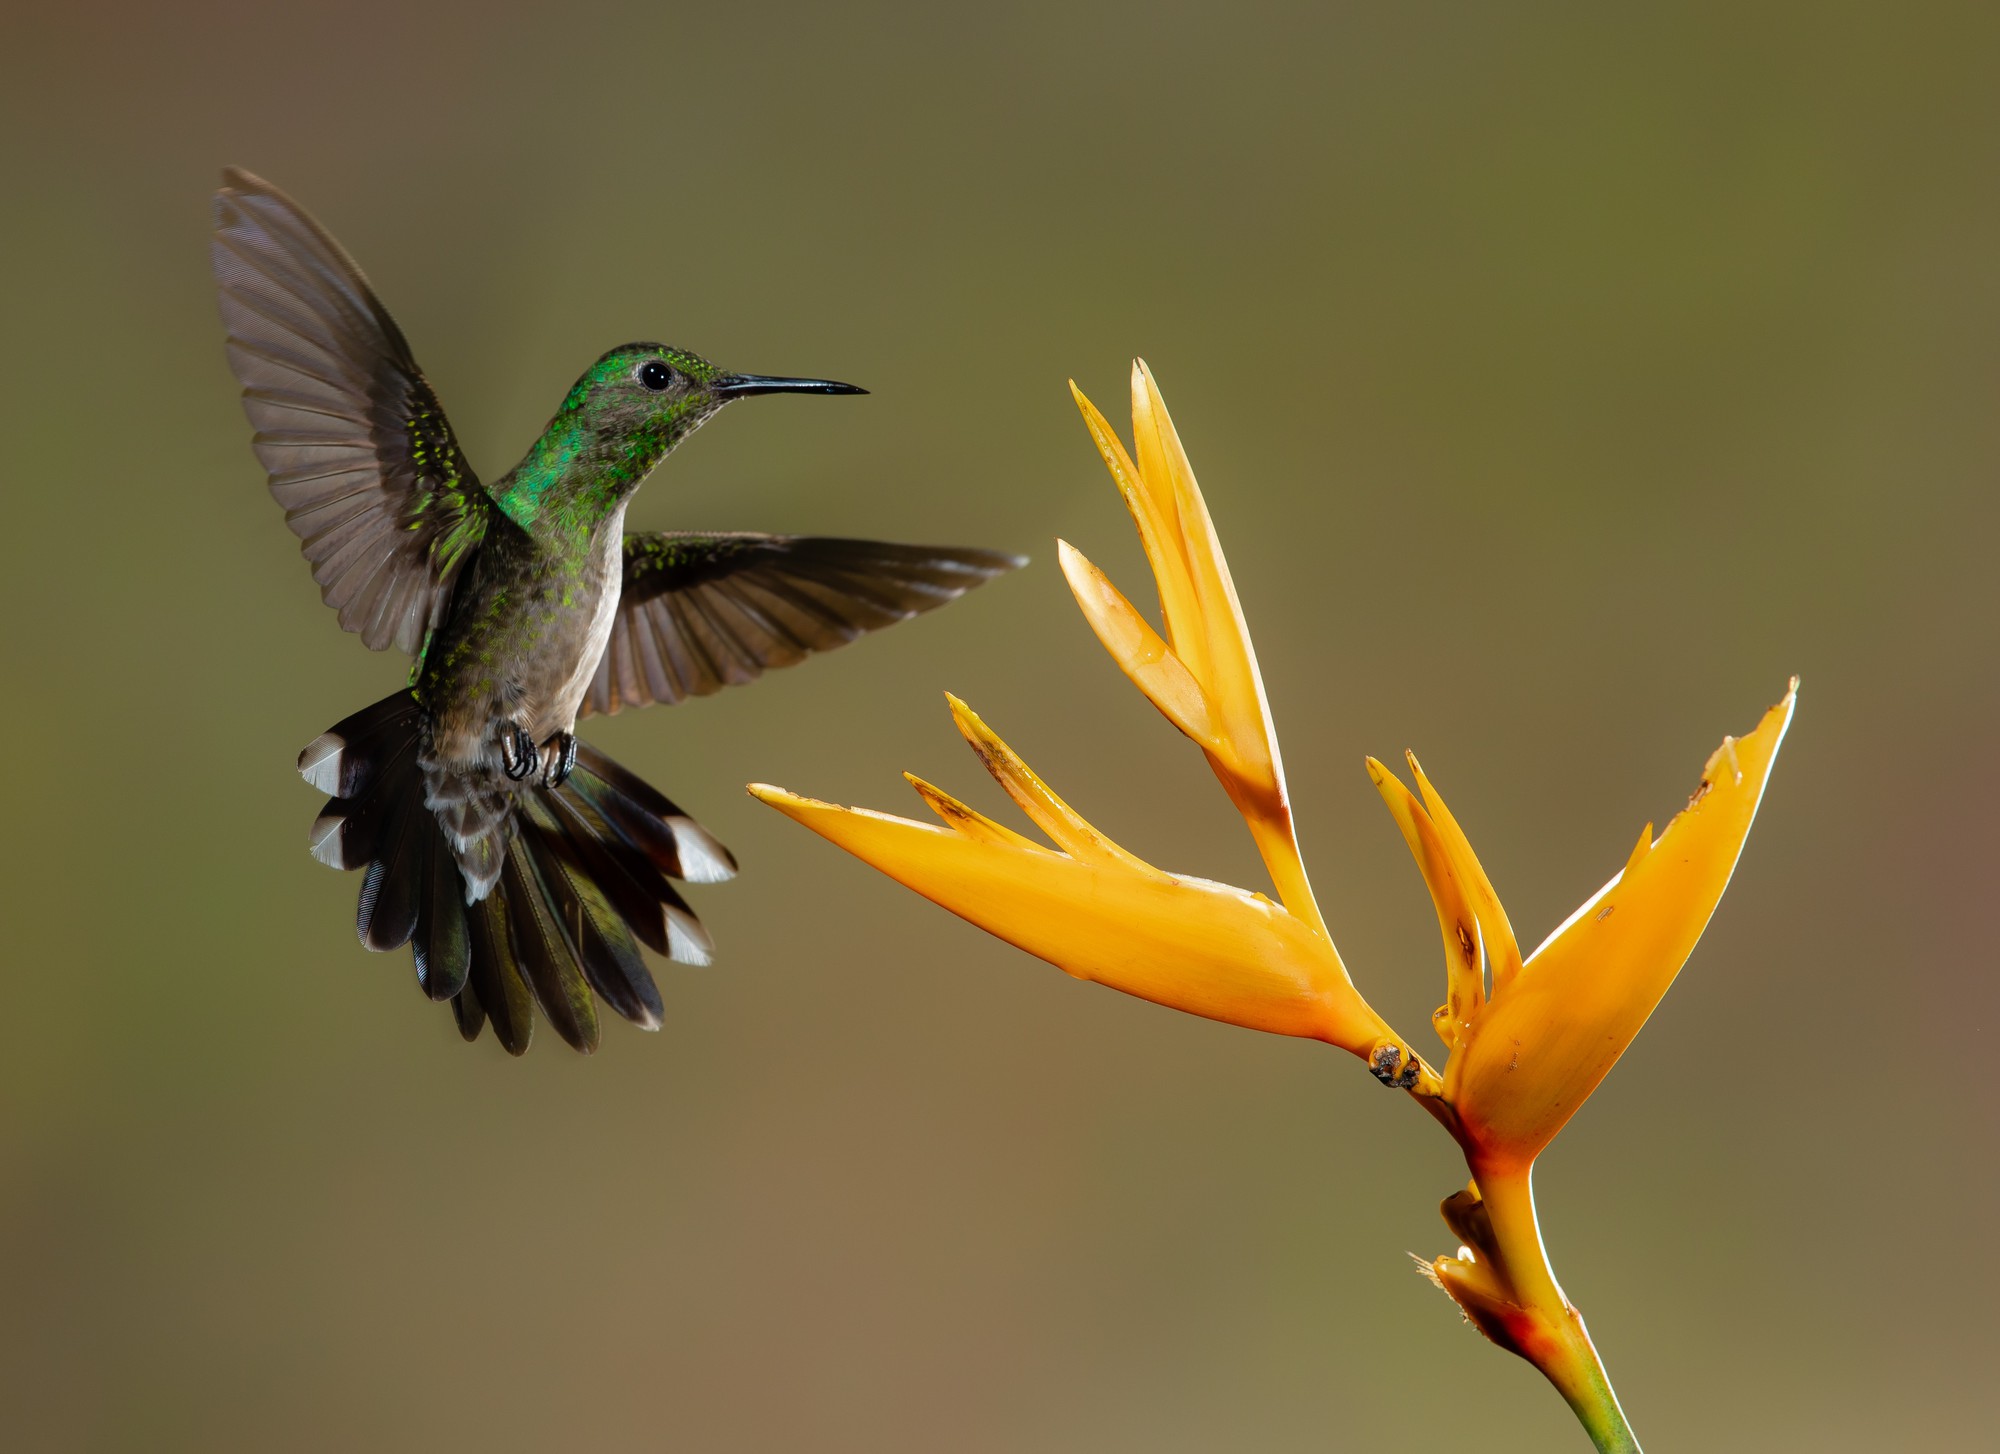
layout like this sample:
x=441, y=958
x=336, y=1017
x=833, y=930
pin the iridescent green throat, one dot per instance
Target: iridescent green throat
x=577, y=474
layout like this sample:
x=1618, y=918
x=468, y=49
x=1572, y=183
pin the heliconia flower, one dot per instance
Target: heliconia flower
x=1527, y=1054
x=1523, y=1060
x=1099, y=912
x=1528, y=1039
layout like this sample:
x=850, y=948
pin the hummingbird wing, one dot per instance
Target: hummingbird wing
x=358, y=450
x=703, y=611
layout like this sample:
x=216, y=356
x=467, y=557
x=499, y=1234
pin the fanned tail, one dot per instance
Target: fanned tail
x=511, y=895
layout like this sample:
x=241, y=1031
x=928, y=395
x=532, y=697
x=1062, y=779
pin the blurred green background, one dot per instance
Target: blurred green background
x=1561, y=380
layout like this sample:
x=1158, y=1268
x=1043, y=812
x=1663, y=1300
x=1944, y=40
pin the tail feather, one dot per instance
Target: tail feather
x=597, y=936
x=545, y=954
x=496, y=976
x=442, y=945
x=622, y=867
x=636, y=889
x=679, y=846
x=342, y=760
x=510, y=896
x=393, y=888
x=466, y=1009
x=349, y=832
x=688, y=942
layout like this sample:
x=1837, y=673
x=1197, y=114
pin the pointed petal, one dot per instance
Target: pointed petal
x=1204, y=629
x=1503, y=951
x=1051, y=814
x=969, y=821
x=1465, y=985
x=1159, y=531
x=1202, y=947
x=1546, y=1040
x=1228, y=666
x=1140, y=652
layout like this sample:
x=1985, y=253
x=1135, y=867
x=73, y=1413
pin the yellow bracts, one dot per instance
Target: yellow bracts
x=1523, y=1062
x=1202, y=674
x=1100, y=913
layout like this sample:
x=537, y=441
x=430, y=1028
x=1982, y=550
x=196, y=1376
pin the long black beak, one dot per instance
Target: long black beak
x=742, y=386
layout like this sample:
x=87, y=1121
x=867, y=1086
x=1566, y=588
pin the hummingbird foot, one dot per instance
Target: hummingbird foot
x=558, y=759
x=518, y=757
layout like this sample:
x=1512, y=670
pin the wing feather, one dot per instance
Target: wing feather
x=703, y=611
x=358, y=450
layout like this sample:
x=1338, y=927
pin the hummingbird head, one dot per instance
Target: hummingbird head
x=620, y=419
x=650, y=396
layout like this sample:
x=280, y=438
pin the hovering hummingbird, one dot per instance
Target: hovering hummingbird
x=522, y=866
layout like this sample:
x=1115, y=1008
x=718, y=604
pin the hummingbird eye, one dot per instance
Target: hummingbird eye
x=655, y=375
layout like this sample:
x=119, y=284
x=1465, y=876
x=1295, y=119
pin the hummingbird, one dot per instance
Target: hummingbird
x=522, y=866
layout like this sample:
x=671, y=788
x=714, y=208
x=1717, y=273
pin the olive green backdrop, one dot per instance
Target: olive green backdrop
x=1561, y=382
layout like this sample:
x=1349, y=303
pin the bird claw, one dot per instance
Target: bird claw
x=517, y=752
x=558, y=759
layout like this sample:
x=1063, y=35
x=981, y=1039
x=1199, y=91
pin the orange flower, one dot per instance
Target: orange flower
x=1528, y=1041
x=1100, y=913
x=1526, y=1057
x=1527, y=1054
x=1202, y=674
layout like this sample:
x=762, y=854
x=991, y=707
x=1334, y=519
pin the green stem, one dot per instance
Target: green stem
x=1596, y=1407
x=1553, y=1337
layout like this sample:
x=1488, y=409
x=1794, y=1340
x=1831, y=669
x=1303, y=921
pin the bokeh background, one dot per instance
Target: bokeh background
x=1562, y=381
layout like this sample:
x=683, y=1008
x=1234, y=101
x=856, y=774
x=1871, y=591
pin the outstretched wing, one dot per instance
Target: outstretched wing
x=359, y=453
x=702, y=611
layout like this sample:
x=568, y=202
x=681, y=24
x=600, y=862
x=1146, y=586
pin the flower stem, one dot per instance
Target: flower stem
x=1549, y=1332
x=1278, y=845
